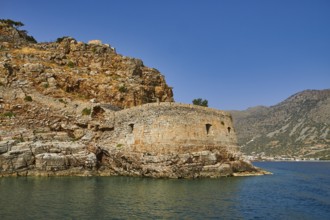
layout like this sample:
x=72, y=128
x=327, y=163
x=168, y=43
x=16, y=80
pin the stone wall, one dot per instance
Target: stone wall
x=170, y=128
x=169, y=140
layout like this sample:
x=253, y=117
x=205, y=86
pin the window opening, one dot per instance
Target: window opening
x=208, y=128
x=131, y=128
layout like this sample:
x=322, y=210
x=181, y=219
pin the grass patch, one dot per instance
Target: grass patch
x=30, y=50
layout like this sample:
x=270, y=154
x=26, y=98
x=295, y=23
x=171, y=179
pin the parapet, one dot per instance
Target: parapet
x=174, y=106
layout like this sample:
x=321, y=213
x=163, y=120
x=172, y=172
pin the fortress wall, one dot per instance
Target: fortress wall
x=171, y=127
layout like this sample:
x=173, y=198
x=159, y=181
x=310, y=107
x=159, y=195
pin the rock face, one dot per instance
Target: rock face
x=68, y=68
x=61, y=114
x=10, y=34
x=297, y=127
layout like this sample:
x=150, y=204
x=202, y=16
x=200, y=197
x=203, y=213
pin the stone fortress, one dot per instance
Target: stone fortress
x=70, y=108
x=169, y=140
x=168, y=128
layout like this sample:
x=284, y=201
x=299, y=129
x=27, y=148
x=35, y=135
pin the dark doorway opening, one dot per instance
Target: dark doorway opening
x=208, y=128
x=131, y=128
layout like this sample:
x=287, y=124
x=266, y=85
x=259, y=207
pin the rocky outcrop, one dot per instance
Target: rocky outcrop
x=70, y=108
x=10, y=34
x=68, y=68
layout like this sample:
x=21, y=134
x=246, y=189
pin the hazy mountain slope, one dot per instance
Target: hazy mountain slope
x=298, y=126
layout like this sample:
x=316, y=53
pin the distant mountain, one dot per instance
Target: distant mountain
x=297, y=127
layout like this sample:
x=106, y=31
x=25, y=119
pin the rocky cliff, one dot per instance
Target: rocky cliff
x=76, y=70
x=297, y=127
x=61, y=114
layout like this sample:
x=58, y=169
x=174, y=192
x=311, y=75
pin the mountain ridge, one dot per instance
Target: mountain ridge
x=295, y=127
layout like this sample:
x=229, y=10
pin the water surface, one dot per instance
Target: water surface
x=297, y=190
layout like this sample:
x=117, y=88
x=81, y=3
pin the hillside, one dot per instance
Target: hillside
x=76, y=70
x=297, y=127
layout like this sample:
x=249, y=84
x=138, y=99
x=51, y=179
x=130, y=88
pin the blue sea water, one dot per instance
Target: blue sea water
x=296, y=190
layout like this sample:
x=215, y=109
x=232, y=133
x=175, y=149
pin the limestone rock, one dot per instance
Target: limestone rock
x=33, y=67
x=95, y=42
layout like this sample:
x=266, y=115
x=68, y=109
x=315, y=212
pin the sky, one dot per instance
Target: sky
x=234, y=53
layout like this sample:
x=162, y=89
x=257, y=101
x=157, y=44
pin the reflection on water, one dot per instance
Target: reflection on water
x=116, y=197
x=296, y=190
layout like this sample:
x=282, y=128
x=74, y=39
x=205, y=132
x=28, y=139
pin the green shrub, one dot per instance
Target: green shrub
x=122, y=89
x=28, y=98
x=14, y=24
x=9, y=114
x=46, y=85
x=31, y=39
x=200, y=102
x=71, y=64
x=86, y=111
x=62, y=101
x=60, y=39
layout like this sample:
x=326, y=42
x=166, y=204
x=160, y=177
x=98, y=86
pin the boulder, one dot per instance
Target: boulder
x=33, y=67
x=50, y=162
x=95, y=42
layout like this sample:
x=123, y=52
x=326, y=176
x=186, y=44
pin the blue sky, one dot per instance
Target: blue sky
x=234, y=53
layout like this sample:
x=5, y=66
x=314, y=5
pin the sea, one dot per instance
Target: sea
x=296, y=190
